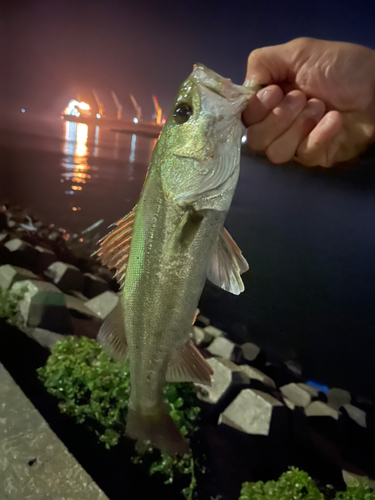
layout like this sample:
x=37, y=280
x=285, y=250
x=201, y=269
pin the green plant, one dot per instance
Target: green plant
x=8, y=305
x=95, y=390
x=296, y=484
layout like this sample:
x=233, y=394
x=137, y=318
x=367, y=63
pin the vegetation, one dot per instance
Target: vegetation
x=95, y=390
x=296, y=484
x=9, y=305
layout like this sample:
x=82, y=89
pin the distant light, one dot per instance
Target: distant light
x=97, y=115
x=318, y=385
x=83, y=105
x=243, y=139
x=23, y=110
x=62, y=117
x=156, y=98
x=135, y=120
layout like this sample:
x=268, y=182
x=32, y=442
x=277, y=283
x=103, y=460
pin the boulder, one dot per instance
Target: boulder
x=65, y=276
x=103, y=304
x=44, y=259
x=200, y=337
x=250, y=351
x=45, y=338
x=314, y=393
x=255, y=374
x=338, y=397
x=221, y=347
x=213, y=331
x=294, y=367
x=356, y=414
x=78, y=308
x=320, y=409
x=94, y=285
x=10, y=274
x=226, y=382
x=42, y=306
x=20, y=253
x=203, y=320
x=250, y=412
x=296, y=394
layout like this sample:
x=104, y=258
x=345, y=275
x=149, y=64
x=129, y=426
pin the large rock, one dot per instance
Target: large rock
x=356, y=414
x=320, y=409
x=226, y=382
x=65, y=276
x=44, y=259
x=200, y=337
x=45, y=338
x=296, y=394
x=94, y=285
x=250, y=351
x=338, y=397
x=42, y=306
x=20, y=253
x=255, y=374
x=78, y=308
x=221, y=347
x=213, y=331
x=10, y=274
x=251, y=412
x=103, y=304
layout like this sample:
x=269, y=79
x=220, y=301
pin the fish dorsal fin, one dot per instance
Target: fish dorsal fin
x=111, y=335
x=188, y=365
x=115, y=247
x=227, y=265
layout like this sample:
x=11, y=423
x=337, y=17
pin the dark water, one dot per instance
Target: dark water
x=309, y=237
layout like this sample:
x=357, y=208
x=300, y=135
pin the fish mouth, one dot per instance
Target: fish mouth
x=224, y=87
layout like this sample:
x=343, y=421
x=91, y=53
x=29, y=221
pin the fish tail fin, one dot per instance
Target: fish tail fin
x=158, y=428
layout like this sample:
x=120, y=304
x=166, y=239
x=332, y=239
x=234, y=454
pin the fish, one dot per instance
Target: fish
x=166, y=247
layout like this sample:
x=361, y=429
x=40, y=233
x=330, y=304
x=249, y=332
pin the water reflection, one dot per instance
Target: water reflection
x=75, y=163
x=132, y=148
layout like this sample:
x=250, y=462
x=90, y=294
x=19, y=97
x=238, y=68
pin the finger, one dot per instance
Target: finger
x=284, y=147
x=319, y=147
x=260, y=135
x=268, y=65
x=261, y=104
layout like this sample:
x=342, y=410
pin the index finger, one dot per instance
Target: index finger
x=261, y=104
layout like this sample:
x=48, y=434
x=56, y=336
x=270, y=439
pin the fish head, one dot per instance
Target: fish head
x=200, y=143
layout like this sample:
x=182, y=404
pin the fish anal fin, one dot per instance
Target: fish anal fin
x=111, y=335
x=188, y=365
x=114, y=248
x=227, y=265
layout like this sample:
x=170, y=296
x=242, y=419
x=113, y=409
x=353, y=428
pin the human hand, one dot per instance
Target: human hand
x=319, y=104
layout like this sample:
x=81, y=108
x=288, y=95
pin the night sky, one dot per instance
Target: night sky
x=56, y=50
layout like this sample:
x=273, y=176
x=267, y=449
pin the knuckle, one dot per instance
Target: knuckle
x=255, y=141
x=276, y=155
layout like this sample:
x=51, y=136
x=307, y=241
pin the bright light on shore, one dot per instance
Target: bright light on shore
x=135, y=120
x=83, y=105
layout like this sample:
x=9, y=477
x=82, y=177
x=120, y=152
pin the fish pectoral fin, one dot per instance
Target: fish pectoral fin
x=227, y=265
x=115, y=247
x=111, y=335
x=188, y=365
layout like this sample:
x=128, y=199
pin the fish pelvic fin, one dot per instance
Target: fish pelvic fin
x=188, y=365
x=114, y=249
x=158, y=428
x=227, y=265
x=111, y=335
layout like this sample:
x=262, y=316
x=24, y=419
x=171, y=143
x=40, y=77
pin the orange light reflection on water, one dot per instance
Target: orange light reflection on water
x=75, y=162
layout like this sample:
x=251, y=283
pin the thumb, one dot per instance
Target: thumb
x=268, y=65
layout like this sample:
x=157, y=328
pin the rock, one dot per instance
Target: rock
x=200, y=337
x=356, y=414
x=250, y=351
x=320, y=409
x=213, y=331
x=255, y=374
x=226, y=382
x=43, y=306
x=20, y=253
x=296, y=394
x=10, y=274
x=289, y=403
x=94, y=285
x=78, y=307
x=65, y=276
x=350, y=478
x=314, y=393
x=221, y=347
x=203, y=320
x=251, y=412
x=103, y=304
x=44, y=259
x=294, y=367
x=338, y=397
x=45, y=338
x=4, y=236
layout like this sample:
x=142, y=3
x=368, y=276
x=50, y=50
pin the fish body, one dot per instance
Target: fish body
x=170, y=243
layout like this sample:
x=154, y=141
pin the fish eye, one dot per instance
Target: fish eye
x=182, y=113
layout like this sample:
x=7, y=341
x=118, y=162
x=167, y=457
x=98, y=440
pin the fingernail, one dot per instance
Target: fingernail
x=294, y=102
x=316, y=109
x=249, y=82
